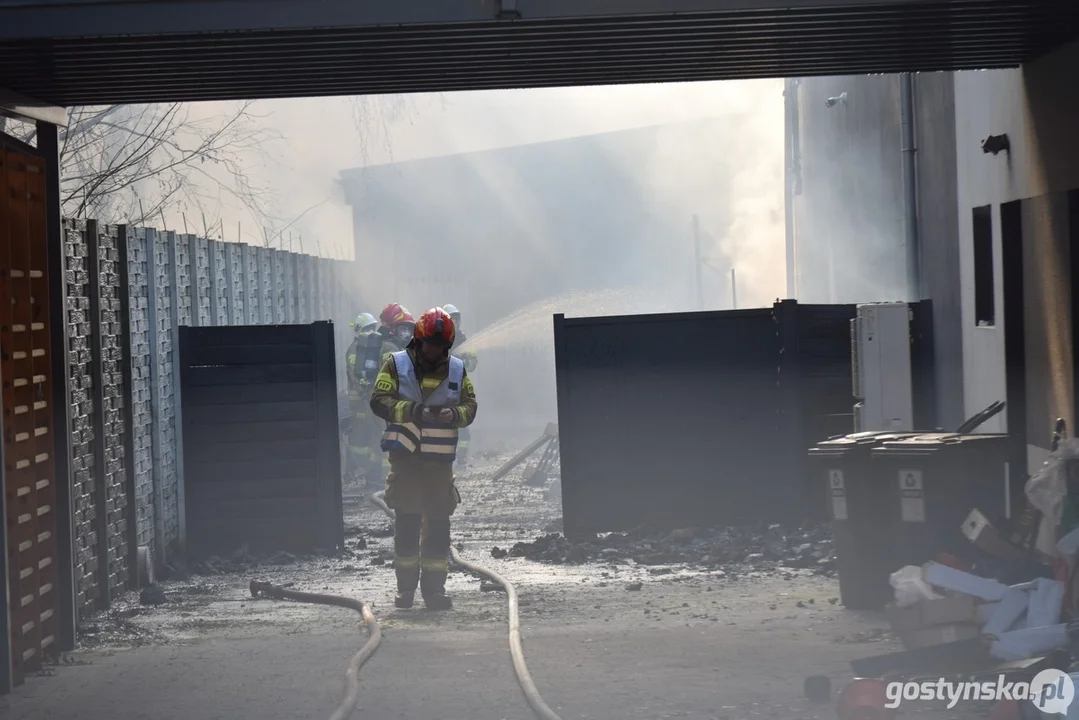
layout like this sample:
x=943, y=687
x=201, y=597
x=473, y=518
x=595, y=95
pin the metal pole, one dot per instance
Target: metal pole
x=790, y=107
x=910, y=188
x=697, y=261
x=734, y=291
x=49, y=147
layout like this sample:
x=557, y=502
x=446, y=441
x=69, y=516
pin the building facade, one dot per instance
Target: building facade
x=997, y=215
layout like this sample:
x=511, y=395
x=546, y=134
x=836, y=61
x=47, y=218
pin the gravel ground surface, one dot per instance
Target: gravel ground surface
x=691, y=623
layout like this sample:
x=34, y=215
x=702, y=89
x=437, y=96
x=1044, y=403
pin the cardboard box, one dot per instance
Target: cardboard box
x=939, y=635
x=929, y=613
x=943, y=577
x=983, y=534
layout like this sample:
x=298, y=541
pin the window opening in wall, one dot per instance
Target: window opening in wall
x=984, y=289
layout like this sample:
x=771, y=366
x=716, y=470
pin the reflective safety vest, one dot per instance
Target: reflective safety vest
x=433, y=442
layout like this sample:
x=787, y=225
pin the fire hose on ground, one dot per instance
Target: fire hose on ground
x=524, y=677
x=374, y=635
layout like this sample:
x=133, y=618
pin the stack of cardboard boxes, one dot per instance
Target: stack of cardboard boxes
x=935, y=622
x=1019, y=621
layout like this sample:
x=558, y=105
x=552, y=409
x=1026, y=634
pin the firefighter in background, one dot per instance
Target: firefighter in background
x=425, y=396
x=469, y=359
x=395, y=327
x=360, y=437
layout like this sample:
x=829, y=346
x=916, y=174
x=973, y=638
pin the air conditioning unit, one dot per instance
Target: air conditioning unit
x=880, y=368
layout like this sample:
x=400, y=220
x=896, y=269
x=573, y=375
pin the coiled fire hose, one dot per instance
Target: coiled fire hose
x=528, y=686
x=374, y=636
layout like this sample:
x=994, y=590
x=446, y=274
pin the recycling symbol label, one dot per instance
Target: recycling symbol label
x=911, y=496
x=839, y=494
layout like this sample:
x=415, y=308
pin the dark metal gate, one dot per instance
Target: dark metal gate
x=262, y=466
x=697, y=418
x=31, y=560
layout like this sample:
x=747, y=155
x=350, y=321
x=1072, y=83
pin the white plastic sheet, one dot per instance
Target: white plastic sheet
x=910, y=587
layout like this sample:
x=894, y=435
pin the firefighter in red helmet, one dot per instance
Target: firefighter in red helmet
x=426, y=397
x=395, y=325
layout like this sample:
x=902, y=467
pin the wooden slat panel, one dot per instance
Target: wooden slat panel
x=243, y=432
x=241, y=335
x=253, y=412
x=209, y=395
x=249, y=354
x=203, y=376
x=241, y=490
x=291, y=533
x=258, y=450
x=25, y=368
x=271, y=509
x=199, y=472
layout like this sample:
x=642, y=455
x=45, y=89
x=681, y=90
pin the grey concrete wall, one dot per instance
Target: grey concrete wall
x=849, y=214
x=849, y=208
x=80, y=379
x=173, y=280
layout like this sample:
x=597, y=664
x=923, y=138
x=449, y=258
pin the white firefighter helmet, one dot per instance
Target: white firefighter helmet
x=452, y=311
x=364, y=322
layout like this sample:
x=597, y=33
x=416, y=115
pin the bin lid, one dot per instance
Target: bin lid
x=860, y=439
x=935, y=441
x=871, y=437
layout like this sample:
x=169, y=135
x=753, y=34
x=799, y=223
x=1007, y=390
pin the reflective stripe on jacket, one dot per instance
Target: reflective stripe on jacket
x=435, y=441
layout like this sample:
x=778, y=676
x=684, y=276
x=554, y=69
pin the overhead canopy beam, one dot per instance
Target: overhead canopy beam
x=30, y=19
x=20, y=107
x=147, y=51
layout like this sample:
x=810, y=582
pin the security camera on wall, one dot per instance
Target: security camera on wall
x=833, y=101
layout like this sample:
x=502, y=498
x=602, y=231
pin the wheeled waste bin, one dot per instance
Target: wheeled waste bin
x=859, y=500
x=935, y=480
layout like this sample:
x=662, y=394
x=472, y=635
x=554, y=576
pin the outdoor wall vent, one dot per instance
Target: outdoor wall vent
x=996, y=144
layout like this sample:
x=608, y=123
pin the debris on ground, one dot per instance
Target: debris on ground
x=153, y=595
x=752, y=549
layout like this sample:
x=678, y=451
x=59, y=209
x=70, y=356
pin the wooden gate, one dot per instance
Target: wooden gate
x=30, y=482
x=262, y=466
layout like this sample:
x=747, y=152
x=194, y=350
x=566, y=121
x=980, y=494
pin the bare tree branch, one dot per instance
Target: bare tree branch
x=374, y=114
x=128, y=163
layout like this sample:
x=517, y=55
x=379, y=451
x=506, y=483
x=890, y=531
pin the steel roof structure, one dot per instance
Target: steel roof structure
x=80, y=52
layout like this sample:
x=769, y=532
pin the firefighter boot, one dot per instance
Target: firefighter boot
x=434, y=564
x=433, y=588
x=406, y=589
x=406, y=560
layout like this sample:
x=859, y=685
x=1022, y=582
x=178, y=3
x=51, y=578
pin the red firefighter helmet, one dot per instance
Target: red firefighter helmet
x=394, y=314
x=435, y=326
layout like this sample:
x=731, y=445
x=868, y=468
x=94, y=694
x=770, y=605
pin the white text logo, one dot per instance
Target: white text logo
x=1051, y=691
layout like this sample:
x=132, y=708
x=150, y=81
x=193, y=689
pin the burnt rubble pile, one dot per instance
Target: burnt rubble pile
x=761, y=548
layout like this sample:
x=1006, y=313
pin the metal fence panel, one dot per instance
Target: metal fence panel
x=695, y=418
x=261, y=438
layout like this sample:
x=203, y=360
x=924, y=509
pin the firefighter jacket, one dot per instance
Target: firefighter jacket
x=356, y=386
x=403, y=389
x=467, y=356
